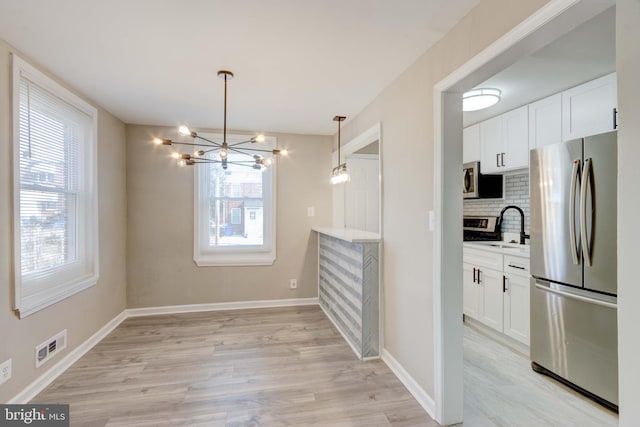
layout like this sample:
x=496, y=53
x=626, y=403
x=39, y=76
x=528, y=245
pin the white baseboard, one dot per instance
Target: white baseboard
x=414, y=388
x=56, y=370
x=194, y=308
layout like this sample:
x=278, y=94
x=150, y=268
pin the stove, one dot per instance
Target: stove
x=477, y=227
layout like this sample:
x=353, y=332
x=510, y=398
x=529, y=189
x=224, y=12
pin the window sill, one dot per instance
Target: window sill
x=34, y=303
x=234, y=259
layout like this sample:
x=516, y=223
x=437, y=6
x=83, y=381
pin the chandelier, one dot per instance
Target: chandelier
x=206, y=150
x=339, y=174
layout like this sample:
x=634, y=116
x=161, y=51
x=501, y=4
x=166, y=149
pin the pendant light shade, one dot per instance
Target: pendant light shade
x=340, y=173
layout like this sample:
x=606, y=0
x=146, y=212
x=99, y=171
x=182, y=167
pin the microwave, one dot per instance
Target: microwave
x=475, y=185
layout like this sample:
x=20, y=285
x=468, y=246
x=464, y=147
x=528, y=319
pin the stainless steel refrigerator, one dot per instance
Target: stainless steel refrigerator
x=574, y=331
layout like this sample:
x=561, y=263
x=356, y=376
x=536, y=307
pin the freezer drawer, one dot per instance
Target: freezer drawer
x=575, y=337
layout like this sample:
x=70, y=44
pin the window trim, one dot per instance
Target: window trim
x=80, y=274
x=233, y=255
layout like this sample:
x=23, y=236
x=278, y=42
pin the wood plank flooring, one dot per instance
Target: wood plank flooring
x=501, y=390
x=267, y=367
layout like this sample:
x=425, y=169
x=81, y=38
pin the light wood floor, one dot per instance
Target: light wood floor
x=501, y=389
x=268, y=367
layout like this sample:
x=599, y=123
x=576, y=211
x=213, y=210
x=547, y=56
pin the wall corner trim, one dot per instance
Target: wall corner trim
x=423, y=398
x=69, y=359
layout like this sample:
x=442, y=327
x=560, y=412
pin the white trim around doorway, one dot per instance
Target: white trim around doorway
x=451, y=373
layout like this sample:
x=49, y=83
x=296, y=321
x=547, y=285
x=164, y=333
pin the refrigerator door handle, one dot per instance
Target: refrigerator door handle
x=586, y=175
x=575, y=255
x=575, y=296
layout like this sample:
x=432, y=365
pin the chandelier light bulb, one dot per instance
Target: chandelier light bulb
x=182, y=163
x=198, y=153
x=175, y=155
x=157, y=141
x=223, y=153
x=183, y=130
x=259, y=138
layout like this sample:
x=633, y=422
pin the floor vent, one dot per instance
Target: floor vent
x=50, y=348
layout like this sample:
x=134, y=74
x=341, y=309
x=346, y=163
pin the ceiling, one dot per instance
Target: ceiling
x=297, y=63
x=583, y=54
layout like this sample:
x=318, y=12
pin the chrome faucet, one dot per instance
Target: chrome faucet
x=522, y=235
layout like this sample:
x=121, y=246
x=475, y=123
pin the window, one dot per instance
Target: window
x=225, y=200
x=55, y=214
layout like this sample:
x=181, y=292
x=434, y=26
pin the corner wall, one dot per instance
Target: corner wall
x=405, y=110
x=83, y=313
x=628, y=68
x=161, y=270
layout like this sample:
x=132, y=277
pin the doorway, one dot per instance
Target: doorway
x=549, y=23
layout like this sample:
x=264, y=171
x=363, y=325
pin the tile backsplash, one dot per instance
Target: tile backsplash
x=516, y=192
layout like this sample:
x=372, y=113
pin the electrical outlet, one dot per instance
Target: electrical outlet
x=311, y=211
x=293, y=284
x=5, y=371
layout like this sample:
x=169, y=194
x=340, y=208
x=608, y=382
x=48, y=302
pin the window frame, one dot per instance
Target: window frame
x=239, y=255
x=34, y=292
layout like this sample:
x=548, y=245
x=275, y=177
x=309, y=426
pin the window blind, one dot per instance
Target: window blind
x=55, y=198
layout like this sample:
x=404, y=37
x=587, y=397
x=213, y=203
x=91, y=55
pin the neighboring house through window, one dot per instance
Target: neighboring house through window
x=235, y=211
x=55, y=204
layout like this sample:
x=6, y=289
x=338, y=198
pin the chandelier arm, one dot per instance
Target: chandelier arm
x=192, y=144
x=239, y=151
x=238, y=143
x=260, y=150
x=209, y=141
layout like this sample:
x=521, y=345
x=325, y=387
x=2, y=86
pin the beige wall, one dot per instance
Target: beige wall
x=161, y=270
x=628, y=67
x=84, y=313
x=405, y=109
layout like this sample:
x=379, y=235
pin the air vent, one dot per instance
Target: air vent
x=50, y=348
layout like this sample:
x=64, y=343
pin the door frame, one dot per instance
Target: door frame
x=556, y=17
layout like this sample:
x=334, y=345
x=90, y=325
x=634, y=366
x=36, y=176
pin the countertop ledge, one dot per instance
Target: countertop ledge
x=349, y=234
x=509, y=249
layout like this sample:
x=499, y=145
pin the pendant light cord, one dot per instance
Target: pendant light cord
x=224, y=137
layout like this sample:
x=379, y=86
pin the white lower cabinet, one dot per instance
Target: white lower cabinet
x=496, y=292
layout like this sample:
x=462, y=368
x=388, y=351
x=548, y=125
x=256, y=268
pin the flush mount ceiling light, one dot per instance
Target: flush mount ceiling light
x=208, y=151
x=339, y=173
x=478, y=99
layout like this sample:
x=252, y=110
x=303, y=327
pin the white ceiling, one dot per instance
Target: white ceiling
x=584, y=53
x=297, y=63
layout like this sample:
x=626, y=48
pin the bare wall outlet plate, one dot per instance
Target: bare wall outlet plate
x=5, y=371
x=293, y=284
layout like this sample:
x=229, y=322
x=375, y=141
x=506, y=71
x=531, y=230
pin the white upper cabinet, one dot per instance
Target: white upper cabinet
x=492, y=145
x=545, y=121
x=589, y=109
x=471, y=144
x=516, y=135
x=505, y=142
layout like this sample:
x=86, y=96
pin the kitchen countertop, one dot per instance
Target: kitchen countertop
x=503, y=248
x=349, y=234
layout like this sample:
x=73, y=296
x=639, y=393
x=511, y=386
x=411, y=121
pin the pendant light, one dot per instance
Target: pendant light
x=208, y=151
x=339, y=173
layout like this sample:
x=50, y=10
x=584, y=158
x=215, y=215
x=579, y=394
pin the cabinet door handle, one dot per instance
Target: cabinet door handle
x=498, y=160
x=479, y=281
x=516, y=266
x=504, y=283
x=502, y=159
x=615, y=118
x=474, y=275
